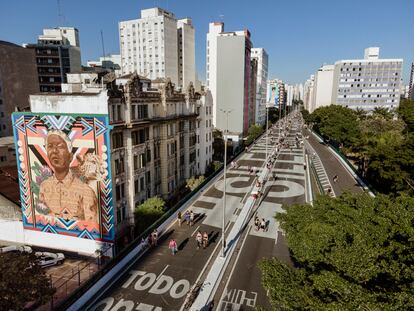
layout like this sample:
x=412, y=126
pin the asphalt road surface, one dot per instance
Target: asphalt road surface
x=242, y=289
x=333, y=166
x=160, y=280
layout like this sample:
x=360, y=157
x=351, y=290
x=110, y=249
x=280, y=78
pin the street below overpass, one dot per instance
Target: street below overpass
x=160, y=281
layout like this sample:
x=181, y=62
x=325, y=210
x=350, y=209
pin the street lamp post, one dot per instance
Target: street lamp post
x=267, y=128
x=223, y=239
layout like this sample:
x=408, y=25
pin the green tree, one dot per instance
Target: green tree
x=273, y=114
x=406, y=113
x=218, y=145
x=147, y=213
x=194, y=182
x=383, y=113
x=353, y=252
x=22, y=281
x=254, y=132
x=306, y=116
x=336, y=123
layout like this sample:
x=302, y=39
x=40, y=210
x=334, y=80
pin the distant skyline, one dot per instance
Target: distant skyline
x=299, y=35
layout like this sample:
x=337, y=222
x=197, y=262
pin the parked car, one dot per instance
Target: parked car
x=47, y=259
x=16, y=248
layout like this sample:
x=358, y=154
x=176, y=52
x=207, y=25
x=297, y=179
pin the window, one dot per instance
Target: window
x=136, y=186
x=136, y=162
x=142, y=183
x=117, y=140
x=119, y=192
x=119, y=166
x=148, y=177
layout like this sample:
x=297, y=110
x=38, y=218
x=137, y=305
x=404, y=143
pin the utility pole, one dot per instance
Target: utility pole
x=103, y=45
x=267, y=128
x=223, y=239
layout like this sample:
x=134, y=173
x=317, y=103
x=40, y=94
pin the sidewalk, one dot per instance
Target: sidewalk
x=216, y=272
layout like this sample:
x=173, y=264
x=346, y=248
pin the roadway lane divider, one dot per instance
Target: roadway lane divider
x=211, y=282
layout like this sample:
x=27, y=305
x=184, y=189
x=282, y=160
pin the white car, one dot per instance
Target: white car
x=16, y=248
x=47, y=259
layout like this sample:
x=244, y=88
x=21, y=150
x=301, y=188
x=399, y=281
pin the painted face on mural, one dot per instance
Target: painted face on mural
x=58, y=153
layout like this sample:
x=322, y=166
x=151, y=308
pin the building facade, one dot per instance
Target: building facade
x=57, y=53
x=158, y=46
x=323, y=83
x=229, y=74
x=262, y=58
x=308, y=93
x=18, y=79
x=411, y=85
x=367, y=83
x=159, y=137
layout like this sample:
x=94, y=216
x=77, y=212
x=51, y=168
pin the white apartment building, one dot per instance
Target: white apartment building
x=60, y=35
x=308, y=90
x=323, y=83
x=228, y=76
x=262, y=58
x=158, y=46
x=204, y=131
x=367, y=83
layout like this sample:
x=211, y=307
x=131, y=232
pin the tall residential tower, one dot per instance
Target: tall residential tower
x=158, y=46
x=229, y=73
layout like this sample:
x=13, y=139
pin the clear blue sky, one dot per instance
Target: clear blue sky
x=299, y=35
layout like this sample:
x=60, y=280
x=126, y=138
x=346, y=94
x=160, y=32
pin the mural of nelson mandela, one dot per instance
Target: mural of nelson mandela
x=63, y=194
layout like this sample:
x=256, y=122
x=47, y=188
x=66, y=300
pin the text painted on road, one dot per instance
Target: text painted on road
x=238, y=298
x=150, y=283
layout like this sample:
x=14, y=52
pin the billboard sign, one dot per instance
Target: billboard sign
x=64, y=172
x=272, y=94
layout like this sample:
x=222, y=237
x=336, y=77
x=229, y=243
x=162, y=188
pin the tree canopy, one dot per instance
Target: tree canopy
x=254, y=132
x=336, y=123
x=147, y=213
x=193, y=182
x=353, y=252
x=22, y=281
x=381, y=145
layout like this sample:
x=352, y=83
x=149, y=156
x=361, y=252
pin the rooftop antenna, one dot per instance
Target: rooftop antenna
x=103, y=45
x=61, y=18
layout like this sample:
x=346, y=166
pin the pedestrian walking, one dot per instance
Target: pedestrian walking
x=191, y=218
x=172, y=246
x=263, y=224
x=199, y=239
x=335, y=178
x=205, y=239
x=179, y=218
x=154, y=237
x=256, y=223
x=187, y=217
